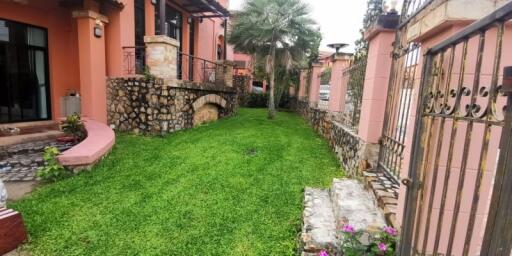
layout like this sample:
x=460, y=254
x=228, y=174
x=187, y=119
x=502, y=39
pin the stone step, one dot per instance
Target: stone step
x=319, y=225
x=354, y=205
x=21, y=128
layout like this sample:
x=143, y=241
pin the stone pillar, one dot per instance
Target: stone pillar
x=302, y=84
x=378, y=68
x=92, y=64
x=314, y=89
x=162, y=57
x=224, y=73
x=338, y=87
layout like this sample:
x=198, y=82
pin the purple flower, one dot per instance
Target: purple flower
x=348, y=229
x=382, y=247
x=390, y=231
x=323, y=253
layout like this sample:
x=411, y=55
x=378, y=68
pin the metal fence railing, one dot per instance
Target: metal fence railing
x=192, y=68
x=189, y=67
x=134, y=60
x=354, y=78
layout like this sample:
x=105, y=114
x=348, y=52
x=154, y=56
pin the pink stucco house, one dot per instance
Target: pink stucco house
x=55, y=48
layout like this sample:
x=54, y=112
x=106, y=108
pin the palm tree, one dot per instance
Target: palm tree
x=279, y=32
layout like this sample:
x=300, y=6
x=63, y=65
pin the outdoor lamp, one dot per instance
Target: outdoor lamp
x=98, y=29
x=153, y=2
x=337, y=46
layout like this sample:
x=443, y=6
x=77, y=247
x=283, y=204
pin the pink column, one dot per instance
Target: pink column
x=338, y=89
x=376, y=83
x=91, y=52
x=302, y=84
x=314, y=89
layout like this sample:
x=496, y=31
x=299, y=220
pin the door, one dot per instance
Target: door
x=460, y=178
x=24, y=81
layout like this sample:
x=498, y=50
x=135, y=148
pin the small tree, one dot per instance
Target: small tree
x=279, y=33
x=372, y=13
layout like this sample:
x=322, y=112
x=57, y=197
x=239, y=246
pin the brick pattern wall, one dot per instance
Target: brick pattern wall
x=143, y=106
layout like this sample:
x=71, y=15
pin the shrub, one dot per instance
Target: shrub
x=52, y=170
x=74, y=126
x=257, y=100
x=357, y=243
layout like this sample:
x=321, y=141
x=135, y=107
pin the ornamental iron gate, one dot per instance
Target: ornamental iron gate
x=460, y=177
x=404, y=78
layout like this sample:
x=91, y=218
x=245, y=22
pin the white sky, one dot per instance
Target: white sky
x=339, y=20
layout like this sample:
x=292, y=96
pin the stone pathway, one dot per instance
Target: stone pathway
x=20, y=162
x=327, y=210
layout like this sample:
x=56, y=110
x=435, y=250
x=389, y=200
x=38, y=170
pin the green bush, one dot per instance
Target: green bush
x=52, y=170
x=257, y=100
x=74, y=126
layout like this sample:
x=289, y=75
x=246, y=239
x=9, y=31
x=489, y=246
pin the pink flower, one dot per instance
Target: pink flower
x=382, y=247
x=323, y=253
x=348, y=229
x=390, y=231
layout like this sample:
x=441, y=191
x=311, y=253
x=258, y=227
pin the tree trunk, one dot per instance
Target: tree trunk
x=271, y=104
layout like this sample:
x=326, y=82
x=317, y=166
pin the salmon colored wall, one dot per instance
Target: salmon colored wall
x=150, y=18
x=119, y=32
x=62, y=43
x=92, y=63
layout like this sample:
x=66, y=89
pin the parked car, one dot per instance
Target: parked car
x=324, y=92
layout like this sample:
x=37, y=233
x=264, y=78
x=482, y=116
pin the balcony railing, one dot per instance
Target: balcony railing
x=134, y=60
x=192, y=68
x=189, y=67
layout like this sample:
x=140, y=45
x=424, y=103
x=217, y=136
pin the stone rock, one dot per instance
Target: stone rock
x=3, y=195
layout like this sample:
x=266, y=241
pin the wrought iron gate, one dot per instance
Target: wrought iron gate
x=462, y=146
x=403, y=78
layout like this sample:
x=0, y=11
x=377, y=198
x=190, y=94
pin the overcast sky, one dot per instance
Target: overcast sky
x=339, y=20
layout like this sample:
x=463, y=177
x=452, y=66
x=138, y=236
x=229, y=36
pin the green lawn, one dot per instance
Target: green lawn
x=233, y=187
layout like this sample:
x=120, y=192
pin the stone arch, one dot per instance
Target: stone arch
x=206, y=108
x=209, y=99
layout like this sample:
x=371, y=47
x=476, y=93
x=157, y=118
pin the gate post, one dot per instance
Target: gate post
x=380, y=39
x=314, y=90
x=338, y=89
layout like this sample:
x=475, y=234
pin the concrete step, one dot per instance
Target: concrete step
x=319, y=225
x=13, y=129
x=8, y=141
x=327, y=210
x=354, y=205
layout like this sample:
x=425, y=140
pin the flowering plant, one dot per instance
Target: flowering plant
x=357, y=243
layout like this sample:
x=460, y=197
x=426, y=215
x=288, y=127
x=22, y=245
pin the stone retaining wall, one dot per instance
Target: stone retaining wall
x=358, y=159
x=148, y=106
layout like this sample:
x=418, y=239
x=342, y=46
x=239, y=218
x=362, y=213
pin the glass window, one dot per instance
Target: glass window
x=36, y=37
x=4, y=31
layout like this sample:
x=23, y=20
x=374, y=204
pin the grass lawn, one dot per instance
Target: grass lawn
x=233, y=187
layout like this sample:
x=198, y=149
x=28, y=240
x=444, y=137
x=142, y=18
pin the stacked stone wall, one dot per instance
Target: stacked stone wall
x=149, y=106
x=358, y=158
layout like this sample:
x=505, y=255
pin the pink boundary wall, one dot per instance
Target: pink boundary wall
x=338, y=88
x=378, y=69
x=314, y=90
